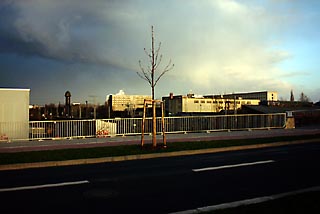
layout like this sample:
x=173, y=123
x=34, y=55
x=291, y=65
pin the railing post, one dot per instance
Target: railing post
x=154, y=124
x=143, y=123
x=163, y=127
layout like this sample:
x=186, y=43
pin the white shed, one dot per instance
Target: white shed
x=14, y=113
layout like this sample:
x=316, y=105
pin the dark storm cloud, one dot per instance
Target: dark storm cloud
x=51, y=30
x=10, y=41
x=216, y=46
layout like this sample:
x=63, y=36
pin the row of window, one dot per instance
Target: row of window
x=202, y=101
x=221, y=102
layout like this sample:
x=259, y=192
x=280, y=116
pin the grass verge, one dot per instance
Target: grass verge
x=83, y=153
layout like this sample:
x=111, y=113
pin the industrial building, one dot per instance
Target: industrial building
x=212, y=104
x=262, y=95
x=123, y=105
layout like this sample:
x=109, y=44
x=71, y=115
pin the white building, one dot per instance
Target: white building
x=122, y=102
x=14, y=113
x=190, y=104
x=260, y=95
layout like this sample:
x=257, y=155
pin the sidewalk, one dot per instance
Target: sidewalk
x=135, y=140
x=21, y=146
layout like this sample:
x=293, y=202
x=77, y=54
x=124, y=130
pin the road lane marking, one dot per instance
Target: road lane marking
x=247, y=202
x=43, y=186
x=232, y=166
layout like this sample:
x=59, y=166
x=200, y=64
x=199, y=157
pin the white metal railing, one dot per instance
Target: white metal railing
x=62, y=129
x=132, y=126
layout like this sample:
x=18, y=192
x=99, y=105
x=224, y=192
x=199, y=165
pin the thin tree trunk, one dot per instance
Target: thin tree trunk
x=154, y=123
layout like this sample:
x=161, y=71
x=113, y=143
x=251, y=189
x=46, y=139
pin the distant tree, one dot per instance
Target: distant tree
x=148, y=73
x=304, y=98
x=291, y=96
x=50, y=111
x=282, y=99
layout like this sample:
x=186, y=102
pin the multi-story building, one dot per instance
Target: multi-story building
x=262, y=95
x=191, y=104
x=121, y=103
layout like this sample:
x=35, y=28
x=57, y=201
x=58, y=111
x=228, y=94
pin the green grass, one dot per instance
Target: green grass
x=296, y=204
x=81, y=153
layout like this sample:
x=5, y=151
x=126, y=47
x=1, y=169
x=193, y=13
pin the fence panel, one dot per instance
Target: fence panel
x=223, y=122
x=62, y=129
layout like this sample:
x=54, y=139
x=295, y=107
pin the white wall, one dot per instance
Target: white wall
x=14, y=113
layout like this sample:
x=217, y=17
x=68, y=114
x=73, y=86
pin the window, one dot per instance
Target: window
x=209, y=102
x=202, y=101
x=196, y=101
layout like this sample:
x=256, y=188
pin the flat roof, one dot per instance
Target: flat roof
x=14, y=89
x=251, y=92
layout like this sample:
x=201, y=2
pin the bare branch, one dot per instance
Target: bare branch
x=145, y=74
x=144, y=69
x=144, y=78
x=158, y=63
x=147, y=53
x=166, y=69
x=157, y=54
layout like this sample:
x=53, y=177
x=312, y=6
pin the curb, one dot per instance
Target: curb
x=149, y=156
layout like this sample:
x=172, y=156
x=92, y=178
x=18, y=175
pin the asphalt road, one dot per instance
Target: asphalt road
x=161, y=185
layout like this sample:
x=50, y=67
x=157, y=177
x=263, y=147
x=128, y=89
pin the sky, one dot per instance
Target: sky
x=92, y=48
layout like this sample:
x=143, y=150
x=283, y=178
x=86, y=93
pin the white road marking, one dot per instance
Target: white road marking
x=232, y=166
x=43, y=186
x=247, y=201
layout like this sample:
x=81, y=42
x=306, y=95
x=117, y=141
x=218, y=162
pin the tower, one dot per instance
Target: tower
x=68, y=104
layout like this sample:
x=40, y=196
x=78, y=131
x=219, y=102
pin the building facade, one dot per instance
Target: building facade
x=262, y=95
x=191, y=104
x=122, y=104
x=14, y=113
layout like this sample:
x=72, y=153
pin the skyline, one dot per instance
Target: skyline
x=217, y=46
